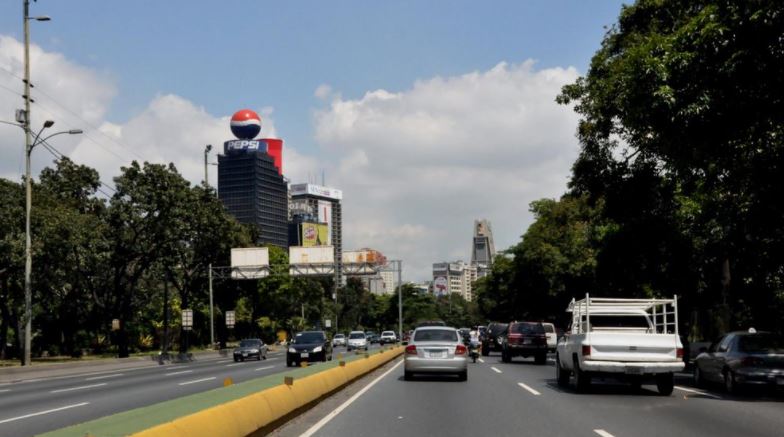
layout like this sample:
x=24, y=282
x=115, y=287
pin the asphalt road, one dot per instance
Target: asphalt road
x=521, y=398
x=34, y=406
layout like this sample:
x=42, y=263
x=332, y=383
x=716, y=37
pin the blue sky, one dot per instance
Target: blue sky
x=436, y=113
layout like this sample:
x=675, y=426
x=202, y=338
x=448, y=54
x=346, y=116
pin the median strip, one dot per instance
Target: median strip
x=197, y=380
x=44, y=412
x=62, y=390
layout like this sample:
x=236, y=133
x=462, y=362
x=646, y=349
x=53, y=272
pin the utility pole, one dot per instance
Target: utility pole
x=28, y=298
x=400, y=299
x=206, y=175
x=212, y=322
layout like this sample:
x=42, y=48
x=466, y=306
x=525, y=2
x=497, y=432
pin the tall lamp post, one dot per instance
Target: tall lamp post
x=28, y=316
x=207, y=149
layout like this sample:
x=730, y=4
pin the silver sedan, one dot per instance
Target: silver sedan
x=436, y=349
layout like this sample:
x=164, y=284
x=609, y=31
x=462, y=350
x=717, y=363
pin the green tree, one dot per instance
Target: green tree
x=690, y=92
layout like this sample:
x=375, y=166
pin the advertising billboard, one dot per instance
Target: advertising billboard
x=325, y=216
x=316, y=190
x=234, y=146
x=440, y=286
x=314, y=234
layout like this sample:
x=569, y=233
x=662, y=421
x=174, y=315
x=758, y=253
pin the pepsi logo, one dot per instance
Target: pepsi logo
x=245, y=124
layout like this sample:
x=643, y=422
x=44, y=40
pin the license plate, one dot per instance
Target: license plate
x=437, y=354
x=634, y=370
x=304, y=355
x=244, y=354
x=526, y=341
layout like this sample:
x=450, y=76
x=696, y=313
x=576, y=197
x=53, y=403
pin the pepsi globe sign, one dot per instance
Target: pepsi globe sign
x=245, y=124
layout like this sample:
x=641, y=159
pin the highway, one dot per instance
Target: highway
x=521, y=398
x=30, y=407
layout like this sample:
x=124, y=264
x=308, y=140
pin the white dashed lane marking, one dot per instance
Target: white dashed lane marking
x=179, y=373
x=78, y=388
x=603, y=433
x=701, y=393
x=534, y=392
x=197, y=380
x=39, y=413
x=104, y=377
x=496, y=370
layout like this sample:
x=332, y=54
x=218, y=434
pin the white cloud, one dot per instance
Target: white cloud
x=433, y=158
x=416, y=166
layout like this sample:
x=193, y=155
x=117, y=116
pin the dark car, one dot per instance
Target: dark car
x=309, y=346
x=250, y=348
x=525, y=339
x=372, y=337
x=741, y=359
x=493, y=338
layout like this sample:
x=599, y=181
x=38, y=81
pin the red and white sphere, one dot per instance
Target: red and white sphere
x=245, y=124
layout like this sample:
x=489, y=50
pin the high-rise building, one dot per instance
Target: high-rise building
x=250, y=180
x=482, y=248
x=326, y=207
x=390, y=280
x=454, y=277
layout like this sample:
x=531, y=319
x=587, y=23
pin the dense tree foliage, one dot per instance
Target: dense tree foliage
x=679, y=173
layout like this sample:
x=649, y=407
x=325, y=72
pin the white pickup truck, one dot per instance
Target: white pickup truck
x=633, y=339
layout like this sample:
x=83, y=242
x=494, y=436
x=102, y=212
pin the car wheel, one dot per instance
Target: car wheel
x=258, y=357
x=699, y=379
x=561, y=374
x=540, y=358
x=324, y=357
x=730, y=385
x=348, y=349
x=408, y=376
x=582, y=380
x=463, y=376
x=636, y=382
x=505, y=356
x=665, y=382
x=236, y=359
x=288, y=363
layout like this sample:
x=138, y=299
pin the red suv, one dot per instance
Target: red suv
x=525, y=339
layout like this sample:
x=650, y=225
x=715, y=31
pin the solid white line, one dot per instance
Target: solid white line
x=496, y=370
x=178, y=373
x=313, y=429
x=44, y=412
x=697, y=392
x=77, y=388
x=104, y=377
x=197, y=380
x=265, y=368
x=536, y=393
x=222, y=361
x=480, y=360
x=603, y=433
x=235, y=364
x=5, y=390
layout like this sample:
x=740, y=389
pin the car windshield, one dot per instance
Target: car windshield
x=356, y=335
x=339, y=336
x=762, y=344
x=435, y=335
x=249, y=343
x=528, y=328
x=309, y=337
x=387, y=333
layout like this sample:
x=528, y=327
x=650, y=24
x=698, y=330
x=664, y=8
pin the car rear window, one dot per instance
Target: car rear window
x=309, y=337
x=249, y=343
x=762, y=343
x=435, y=335
x=387, y=333
x=355, y=336
x=549, y=329
x=496, y=328
x=339, y=335
x=528, y=328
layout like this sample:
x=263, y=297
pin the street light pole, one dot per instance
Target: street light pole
x=206, y=177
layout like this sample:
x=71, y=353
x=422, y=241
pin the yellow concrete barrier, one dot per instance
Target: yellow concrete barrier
x=243, y=416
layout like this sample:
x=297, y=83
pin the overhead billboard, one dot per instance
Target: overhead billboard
x=249, y=262
x=311, y=255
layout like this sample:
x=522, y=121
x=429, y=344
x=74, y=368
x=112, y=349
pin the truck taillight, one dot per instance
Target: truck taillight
x=586, y=350
x=679, y=353
x=460, y=350
x=411, y=349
